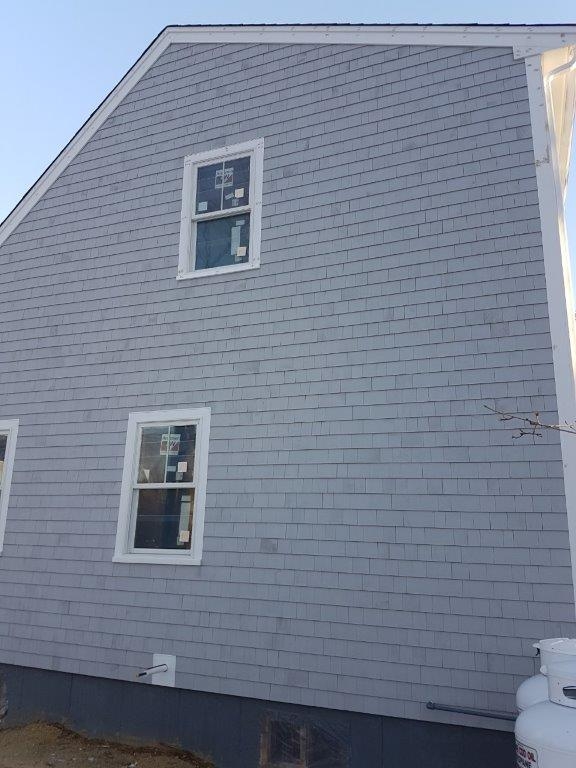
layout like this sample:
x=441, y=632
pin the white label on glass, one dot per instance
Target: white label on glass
x=224, y=178
x=235, y=233
x=202, y=207
x=526, y=757
x=182, y=466
x=241, y=250
x=239, y=192
x=184, y=537
x=170, y=445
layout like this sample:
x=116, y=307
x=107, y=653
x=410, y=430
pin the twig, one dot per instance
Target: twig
x=534, y=423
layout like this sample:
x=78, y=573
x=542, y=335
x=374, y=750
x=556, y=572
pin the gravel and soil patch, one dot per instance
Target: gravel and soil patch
x=41, y=745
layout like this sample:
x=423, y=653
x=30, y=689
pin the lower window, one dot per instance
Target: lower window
x=163, y=487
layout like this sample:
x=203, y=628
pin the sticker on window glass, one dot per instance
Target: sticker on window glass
x=526, y=757
x=182, y=466
x=203, y=206
x=239, y=192
x=235, y=235
x=224, y=178
x=170, y=445
x=240, y=253
x=184, y=537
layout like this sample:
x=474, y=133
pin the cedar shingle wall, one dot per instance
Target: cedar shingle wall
x=373, y=538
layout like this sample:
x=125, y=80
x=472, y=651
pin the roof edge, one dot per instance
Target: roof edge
x=524, y=40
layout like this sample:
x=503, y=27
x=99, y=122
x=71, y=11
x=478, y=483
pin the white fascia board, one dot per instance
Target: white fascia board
x=557, y=271
x=524, y=40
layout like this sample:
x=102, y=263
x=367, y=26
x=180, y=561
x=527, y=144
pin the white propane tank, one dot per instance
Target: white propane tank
x=546, y=732
x=535, y=689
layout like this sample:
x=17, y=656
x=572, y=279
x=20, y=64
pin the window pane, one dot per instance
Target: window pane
x=167, y=454
x=3, y=444
x=238, y=172
x=153, y=455
x=182, y=443
x=163, y=518
x=221, y=242
x=209, y=188
x=222, y=186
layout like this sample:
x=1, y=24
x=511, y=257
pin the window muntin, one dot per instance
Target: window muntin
x=163, y=489
x=221, y=211
x=8, y=434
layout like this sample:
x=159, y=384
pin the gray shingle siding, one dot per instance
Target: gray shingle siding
x=374, y=538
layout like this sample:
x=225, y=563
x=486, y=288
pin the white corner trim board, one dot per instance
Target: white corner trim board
x=524, y=40
x=557, y=270
x=9, y=428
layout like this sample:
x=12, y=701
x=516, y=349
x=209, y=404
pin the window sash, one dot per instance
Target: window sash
x=138, y=451
x=132, y=549
x=136, y=486
x=221, y=214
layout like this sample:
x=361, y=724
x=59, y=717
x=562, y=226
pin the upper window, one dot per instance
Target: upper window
x=8, y=433
x=164, y=487
x=221, y=211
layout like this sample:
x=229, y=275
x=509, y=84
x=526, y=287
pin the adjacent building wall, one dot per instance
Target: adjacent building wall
x=374, y=537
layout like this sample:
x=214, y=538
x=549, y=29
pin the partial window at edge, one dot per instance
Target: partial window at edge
x=8, y=434
x=221, y=211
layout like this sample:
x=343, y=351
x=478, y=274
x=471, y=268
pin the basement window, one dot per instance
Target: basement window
x=287, y=742
x=163, y=487
x=221, y=211
x=8, y=433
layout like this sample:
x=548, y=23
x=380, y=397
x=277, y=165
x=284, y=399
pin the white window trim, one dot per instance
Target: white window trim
x=193, y=556
x=255, y=149
x=10, y=428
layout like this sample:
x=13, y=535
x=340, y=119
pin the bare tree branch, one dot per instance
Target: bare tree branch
x=533, y=424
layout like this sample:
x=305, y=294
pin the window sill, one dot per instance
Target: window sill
x=157, y=559
x=216, y=271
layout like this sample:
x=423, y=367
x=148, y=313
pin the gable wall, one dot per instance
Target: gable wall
x=373, y=538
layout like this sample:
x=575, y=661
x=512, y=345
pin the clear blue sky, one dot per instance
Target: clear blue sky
x=60, y=58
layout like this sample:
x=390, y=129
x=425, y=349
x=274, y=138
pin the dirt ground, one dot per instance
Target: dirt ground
x=41, y=745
